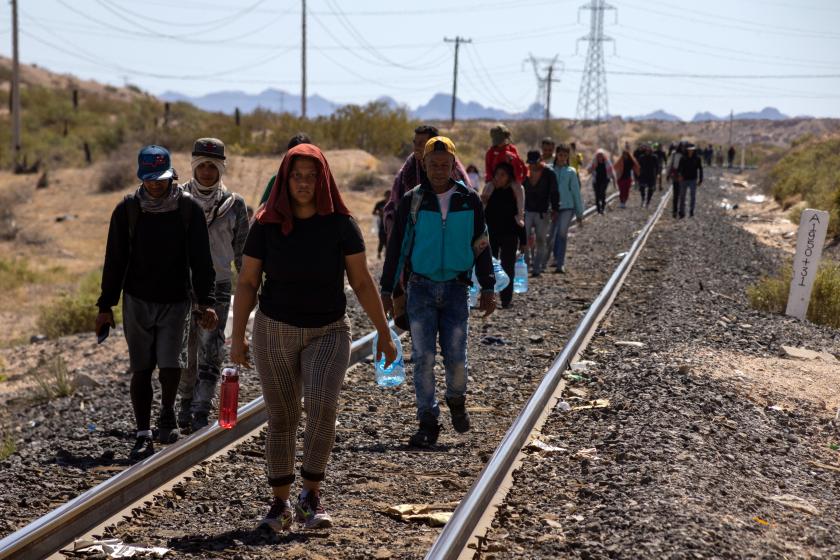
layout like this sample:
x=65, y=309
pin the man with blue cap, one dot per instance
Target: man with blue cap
x=158, y=249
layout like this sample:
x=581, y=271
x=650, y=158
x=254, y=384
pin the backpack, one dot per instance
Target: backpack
x=399, y=295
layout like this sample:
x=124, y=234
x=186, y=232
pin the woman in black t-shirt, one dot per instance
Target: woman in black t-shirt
x=303, y=240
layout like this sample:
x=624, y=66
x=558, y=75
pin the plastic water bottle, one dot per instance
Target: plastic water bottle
x=474, y=293
x=229, y=398
x=394, y=374
x=502, y=279
x=520, y=277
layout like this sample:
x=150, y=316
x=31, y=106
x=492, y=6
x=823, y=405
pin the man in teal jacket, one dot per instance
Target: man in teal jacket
x=570, y=205
x=439, y=234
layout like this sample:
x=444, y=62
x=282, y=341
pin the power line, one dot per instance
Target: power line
x=212, y=24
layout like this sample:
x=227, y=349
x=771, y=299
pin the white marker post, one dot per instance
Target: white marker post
x=813, y=225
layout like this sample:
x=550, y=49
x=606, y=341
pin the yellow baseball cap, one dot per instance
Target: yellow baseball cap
x=439, y=144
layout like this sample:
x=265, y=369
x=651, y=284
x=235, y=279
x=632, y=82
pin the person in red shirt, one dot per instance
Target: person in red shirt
x=503, y=150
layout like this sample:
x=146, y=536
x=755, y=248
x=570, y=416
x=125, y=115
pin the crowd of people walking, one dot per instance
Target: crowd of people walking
x=173, y=251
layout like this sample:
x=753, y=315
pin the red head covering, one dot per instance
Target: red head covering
x=278, y=208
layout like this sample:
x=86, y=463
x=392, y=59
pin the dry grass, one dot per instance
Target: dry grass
x=53, y=378
x=771, y=294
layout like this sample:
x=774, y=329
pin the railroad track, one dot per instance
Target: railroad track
x=50, y=533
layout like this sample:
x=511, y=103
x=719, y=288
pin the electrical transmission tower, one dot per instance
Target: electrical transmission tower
x=547, y=71
x=592, y=98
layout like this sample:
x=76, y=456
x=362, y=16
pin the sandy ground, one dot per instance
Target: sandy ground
x=74, y=246
x=771, y=380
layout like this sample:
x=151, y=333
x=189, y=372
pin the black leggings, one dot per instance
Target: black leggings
x=601, y=196
x=504, y=249
x=141, y=397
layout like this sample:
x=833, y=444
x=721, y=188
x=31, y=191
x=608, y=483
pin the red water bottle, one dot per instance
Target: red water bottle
x=229, y=398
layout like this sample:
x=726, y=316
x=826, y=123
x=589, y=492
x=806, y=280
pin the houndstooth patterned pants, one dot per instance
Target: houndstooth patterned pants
x=291, y=360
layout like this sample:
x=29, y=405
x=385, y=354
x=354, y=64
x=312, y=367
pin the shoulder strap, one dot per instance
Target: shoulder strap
x=218, y=205
x=185, y=208
x=132, y=207
x=416, y=201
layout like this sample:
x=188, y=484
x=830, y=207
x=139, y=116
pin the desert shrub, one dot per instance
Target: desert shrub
x=53, y=379
x=17, y=272
x=117, y=175
x=771, y=294
x=810, y=172
x=7, y=443
x=74, y=312
x=364, y=180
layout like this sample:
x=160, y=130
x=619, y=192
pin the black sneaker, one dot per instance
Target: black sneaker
x=311, y=513
x=168, y=427
x=185, y=416
x=280, y=516
x=143, y=447
x=427, y=434
x=199, y=421
x=460, y=416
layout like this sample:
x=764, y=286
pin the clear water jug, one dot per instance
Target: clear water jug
x=394, y=374
x=502, y=279
x=520, y=277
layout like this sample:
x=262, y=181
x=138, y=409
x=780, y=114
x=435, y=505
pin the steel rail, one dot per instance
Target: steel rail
x=50, y=533
x=58, y=528
x=460, y=527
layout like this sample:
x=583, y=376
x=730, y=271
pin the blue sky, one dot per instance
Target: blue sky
x=363, y=49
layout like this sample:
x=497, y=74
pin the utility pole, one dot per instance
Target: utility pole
x=15, y=92
x=303, y=62
x=457, y=40
x=549, y=66
x=592, y=99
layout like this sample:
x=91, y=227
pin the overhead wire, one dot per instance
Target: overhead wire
x=212, y=24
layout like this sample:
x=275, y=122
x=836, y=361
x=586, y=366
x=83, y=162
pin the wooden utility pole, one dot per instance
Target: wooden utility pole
x=15, y=92
x=457, y=40
x=731, y=118
x=303, y=61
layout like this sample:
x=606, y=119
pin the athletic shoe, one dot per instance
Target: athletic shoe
x=168, y=426
x=280, y=516
x=185, y=416
x=143, y=447
x=460, y=416
x=427, y=433
x=199, y=421
x=311, y=513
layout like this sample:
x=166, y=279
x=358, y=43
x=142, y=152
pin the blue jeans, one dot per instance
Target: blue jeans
x=560, y=235
x=437, y=310
x=687, y=185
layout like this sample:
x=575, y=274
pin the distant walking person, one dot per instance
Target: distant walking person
x=542, y=202
x=730, y=156
x=379, y=213
x=648, y=172
x=506, y=235
x=662, y=157
x=157, y=249
x=690, y=173
x=575, y=158
x=626, y=167
x=226, y=215
x=571, y=205
x=602, y=173
x=439, y=235
x=299, y=248
x=412, y=174
x=673, y=176
x=547, y=147
x=474, y=177
x=503, y=150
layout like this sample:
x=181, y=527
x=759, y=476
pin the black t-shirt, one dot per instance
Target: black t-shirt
x=304, y=271
x=500, y=214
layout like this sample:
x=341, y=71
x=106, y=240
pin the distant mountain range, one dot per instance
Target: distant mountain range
x=768, y=113
x=437, y=108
